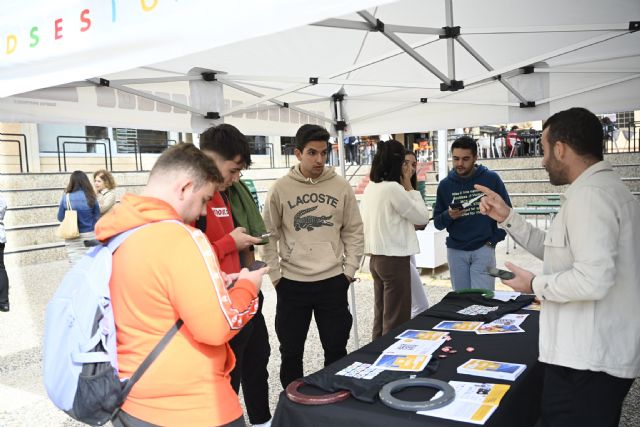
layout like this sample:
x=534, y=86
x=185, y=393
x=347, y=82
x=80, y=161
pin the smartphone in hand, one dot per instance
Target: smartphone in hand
x=257, y=265
x=264, y=237
x=502, y=274
x=456, y=206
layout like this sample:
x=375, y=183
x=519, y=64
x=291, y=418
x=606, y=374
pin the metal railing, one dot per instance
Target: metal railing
x=267, y=147
x=87, y=141
x=19, y=142
x=141, y=146
x=630, y=134
x=104, y=146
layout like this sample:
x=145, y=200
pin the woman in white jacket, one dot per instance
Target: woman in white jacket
x=105, y=185
x=390, y=208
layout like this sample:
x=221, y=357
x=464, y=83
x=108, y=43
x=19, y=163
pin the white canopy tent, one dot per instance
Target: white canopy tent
x=406, y=66
x=367, y=66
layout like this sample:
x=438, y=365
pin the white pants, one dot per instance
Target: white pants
x=76, y=248
x=419, y=302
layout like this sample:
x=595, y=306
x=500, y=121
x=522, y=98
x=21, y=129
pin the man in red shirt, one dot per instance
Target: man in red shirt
x=229, y=149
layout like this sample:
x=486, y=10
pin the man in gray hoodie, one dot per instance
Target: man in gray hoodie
x=313, y=252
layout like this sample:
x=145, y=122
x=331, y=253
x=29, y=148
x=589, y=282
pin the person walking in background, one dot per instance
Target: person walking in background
x=472, y=237
x=419, y=302
x=233, y=244
x=313, y=252
x=589, y=290
x=81, y=197
x=4, y=279
x=390, y=208
x=104, y=185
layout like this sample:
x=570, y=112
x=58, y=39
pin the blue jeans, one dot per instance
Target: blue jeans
x=468, y=268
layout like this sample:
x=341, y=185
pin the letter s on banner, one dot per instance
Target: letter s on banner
x=85, y=20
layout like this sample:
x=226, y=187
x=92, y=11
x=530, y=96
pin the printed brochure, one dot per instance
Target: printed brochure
x=492, y=369
x=474, y=402
x=407, y=346
x=418, y=334
x=507, y=324
x=409, y=363
x=458, y=325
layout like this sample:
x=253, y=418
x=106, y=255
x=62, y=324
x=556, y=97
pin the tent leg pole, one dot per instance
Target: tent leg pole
x=352, y=306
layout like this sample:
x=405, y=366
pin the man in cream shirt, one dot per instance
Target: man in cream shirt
x=589, y=289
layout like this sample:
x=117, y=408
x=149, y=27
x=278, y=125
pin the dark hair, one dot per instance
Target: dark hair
x=414, y=177
x=308, y=133
x=387, y=163
x=106, y=177
x=187, y=157
x=466, y=143
x=227, y=141
x=579, y=128
x=79, y=181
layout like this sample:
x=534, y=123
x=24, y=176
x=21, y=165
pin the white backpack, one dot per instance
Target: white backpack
x=80, y=355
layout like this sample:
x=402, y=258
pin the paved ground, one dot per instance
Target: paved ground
x=23, y=401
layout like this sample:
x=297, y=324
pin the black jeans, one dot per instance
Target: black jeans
x=297, y=301
x=4, y=279
x=572, y=397
x=252, y=350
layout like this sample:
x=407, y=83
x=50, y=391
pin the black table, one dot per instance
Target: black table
x=519, y=407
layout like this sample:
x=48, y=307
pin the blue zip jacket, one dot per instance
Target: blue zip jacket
x=472, y=230
x=87, y=217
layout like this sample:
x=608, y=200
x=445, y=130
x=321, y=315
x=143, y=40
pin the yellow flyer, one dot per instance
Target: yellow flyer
x=410, y=362
x=458, y=325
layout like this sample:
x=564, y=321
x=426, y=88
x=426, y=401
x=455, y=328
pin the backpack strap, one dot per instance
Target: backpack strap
x=150, y=358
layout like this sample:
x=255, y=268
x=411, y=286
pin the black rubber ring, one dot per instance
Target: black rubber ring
x=324, y=399
x=386, y=397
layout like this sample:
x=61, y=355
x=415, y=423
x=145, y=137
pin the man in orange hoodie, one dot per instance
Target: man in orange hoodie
x=168, y=271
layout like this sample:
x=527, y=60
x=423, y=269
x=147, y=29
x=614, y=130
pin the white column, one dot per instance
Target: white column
x=443, y=154
x=33, y=146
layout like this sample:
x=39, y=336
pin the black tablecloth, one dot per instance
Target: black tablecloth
x=519, y=407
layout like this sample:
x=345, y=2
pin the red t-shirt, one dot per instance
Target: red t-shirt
x=219, y=225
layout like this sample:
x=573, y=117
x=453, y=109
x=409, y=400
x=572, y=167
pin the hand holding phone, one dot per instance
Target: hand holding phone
x=502, y=274
x=256, y=265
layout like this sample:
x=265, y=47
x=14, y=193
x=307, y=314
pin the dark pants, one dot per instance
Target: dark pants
x=125, y=420
x=351, y=153
x=252, y=350
x=392, y=292
x=572, y=397
x=297, y=301
x=4, y=279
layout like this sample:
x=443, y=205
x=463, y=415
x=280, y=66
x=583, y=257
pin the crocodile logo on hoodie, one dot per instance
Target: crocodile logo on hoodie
x=310, y=222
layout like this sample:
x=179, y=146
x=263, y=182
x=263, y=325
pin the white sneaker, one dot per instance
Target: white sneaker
x=267, y=424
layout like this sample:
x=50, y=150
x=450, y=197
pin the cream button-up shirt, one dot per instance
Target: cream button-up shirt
x=590, y=286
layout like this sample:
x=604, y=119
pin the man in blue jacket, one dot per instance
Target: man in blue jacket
x=472, y=236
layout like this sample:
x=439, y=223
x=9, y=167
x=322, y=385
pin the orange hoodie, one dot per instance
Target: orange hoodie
x=161, y=273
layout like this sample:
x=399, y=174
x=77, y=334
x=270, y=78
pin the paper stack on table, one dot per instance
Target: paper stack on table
x=474, y=402
x=412, y=351
x=492, y=369
x=507, y=324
